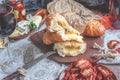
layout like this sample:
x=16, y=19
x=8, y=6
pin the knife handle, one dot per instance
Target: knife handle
x=12, y=76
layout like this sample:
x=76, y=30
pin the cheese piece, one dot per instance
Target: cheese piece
x=21, y=29
x=24, y=24
x=2, y=43
x=16, y=33
x=36, y=20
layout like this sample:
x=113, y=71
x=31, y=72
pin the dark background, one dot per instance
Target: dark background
x=101, y=5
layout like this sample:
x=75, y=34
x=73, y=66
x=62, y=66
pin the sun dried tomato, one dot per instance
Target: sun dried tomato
x=83, y=63
x=73, y=70
x=92, y=77
x=87, y=72
x=112, y=43
x=99, y=76
x=92, y=72
x=105, y=72
x=118, y=49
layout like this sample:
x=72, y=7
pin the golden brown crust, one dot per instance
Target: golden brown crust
x=94, y=28
x=58, y=30
x=49, y=38
x=67, y=41
x=75, y=13
x=75, y=21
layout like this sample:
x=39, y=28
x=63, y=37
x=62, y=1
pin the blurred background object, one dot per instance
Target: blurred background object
x=35, y=4
x=101, y=5
x=18, y=8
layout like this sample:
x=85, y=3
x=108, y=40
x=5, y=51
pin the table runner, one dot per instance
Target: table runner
x=45, y=69
x=111, y=35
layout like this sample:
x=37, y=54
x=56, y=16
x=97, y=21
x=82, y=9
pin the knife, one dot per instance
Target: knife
x=28, y=65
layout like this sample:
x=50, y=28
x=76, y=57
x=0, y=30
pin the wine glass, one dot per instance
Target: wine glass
x=7, y=24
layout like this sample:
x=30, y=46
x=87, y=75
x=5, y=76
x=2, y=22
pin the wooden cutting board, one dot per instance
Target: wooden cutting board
x=37, y=40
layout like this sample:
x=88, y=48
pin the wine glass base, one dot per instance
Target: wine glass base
x=5, y=69
x=8, y=67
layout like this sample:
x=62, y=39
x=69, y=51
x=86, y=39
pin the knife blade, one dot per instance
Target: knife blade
x=28, y=65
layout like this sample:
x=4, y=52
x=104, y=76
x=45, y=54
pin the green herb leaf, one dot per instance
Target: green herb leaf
x=32, y=26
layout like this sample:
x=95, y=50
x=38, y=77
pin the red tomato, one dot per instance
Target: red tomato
x=118, y=49
x=20, y=6
x=112, y=43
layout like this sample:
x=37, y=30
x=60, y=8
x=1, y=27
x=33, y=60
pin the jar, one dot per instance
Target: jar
x=118, y=11
x=19, y=8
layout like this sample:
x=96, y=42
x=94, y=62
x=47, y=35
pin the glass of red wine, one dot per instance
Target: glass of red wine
x=7, y=24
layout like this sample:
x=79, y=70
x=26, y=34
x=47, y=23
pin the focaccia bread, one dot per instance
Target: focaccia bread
x=67, y=41
x=51, y=37
x=56, y=22
x=60, y=6
x=70, y=48
x=75, y=13
x=58, y=29
x=76, y=21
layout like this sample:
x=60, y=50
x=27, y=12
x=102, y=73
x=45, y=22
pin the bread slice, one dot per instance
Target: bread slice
x=70, y=48
x=51, y=37
x=75, y=20
x=58, y=29
x=58, y=23
x=67, y=40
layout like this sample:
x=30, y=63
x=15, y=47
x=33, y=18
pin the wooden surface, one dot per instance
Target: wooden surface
x=37, y=40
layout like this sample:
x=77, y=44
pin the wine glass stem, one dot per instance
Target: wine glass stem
x=6, y=68
x=8, y=46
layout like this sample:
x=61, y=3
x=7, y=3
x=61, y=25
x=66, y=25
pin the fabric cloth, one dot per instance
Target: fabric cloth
x=111, y=35
x=46, y=69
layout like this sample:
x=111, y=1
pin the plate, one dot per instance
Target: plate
x=108, y=70
x=37, y=40
x=43, y=13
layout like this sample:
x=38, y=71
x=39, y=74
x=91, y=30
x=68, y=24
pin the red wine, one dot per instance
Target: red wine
x=7, y=25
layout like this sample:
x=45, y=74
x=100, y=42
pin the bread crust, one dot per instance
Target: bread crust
x=67, y=40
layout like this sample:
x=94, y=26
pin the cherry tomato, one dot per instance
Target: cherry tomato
x=19, y=6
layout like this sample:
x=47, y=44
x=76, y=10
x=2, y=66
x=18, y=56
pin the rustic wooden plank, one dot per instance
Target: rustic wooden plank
x=37, y=40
